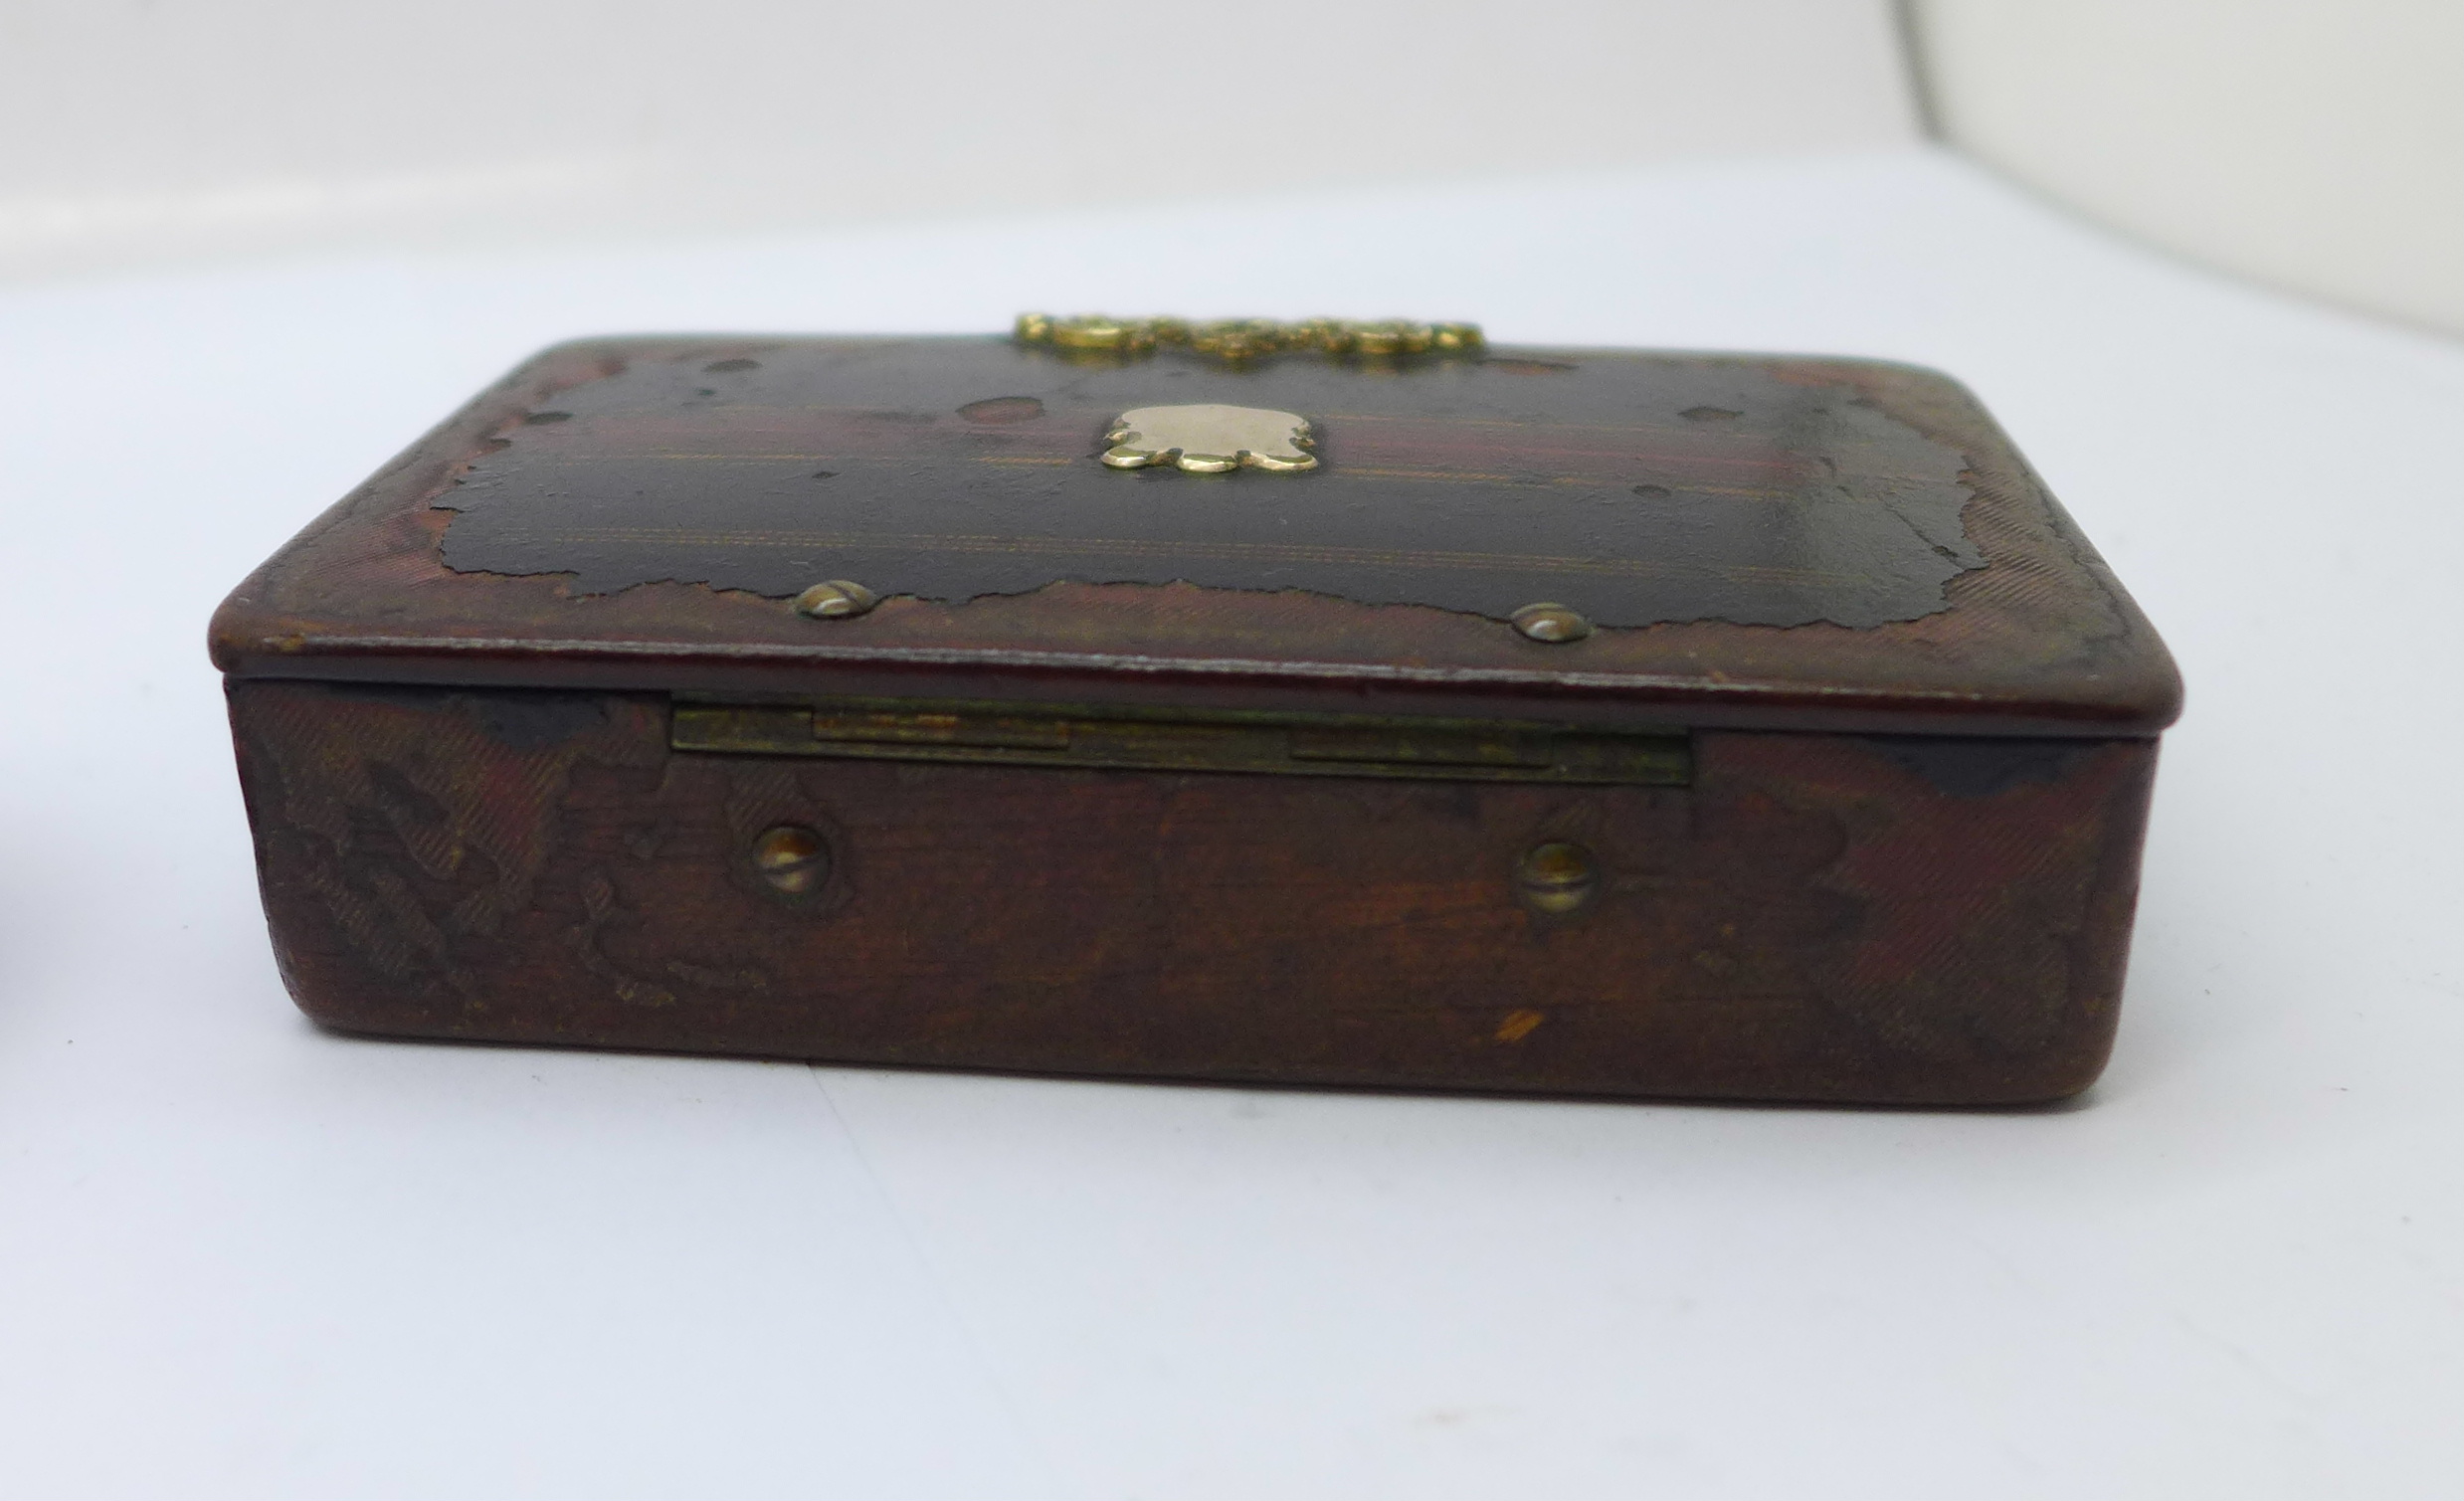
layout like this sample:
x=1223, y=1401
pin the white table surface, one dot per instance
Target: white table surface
x=239, y=1257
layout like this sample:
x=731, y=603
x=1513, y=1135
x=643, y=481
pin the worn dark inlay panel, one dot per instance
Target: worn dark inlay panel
x=1655, y=490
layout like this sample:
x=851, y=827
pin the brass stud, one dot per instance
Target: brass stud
x=1551, y=625
x=1556, y=877
x=835, y=600
x=792, y=858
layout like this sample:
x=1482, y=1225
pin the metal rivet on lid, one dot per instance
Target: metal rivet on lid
x=1556, y=877
x=834, y=600
x=1551, y=625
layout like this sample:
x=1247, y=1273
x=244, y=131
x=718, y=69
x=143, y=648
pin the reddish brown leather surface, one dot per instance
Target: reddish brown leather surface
x=1818, y=917
x=2038, y=641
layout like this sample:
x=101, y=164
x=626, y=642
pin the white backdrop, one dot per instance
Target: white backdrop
x=137, y=131
x=2317, y=144
x=241, y=1257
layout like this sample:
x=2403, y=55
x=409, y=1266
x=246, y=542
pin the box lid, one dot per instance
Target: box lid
x=1785, y=543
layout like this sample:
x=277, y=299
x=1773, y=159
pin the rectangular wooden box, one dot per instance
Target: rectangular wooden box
x=1824, y=777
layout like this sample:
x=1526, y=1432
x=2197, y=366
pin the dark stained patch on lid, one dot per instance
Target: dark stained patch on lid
x=1003, y=409
x=1751, y=497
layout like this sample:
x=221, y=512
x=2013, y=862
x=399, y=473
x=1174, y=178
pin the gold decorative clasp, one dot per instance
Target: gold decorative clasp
x=1242, y=339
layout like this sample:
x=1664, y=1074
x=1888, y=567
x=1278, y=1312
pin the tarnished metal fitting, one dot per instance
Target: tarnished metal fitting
x=835, y=600
x=1326, y=335
x=1551, y=625
x=792, y=858
x=1237, y=339
x=1392, y=338
x=1556, y=877
x=1093, y=335
x=1100, y=334
x=1089, y=333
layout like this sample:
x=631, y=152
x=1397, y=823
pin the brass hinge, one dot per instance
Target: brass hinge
x=1307, y=745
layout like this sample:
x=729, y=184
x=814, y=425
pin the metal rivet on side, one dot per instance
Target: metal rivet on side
x=792, y=858
x=1551, y=625
x=835, y=600
x=1556, y=877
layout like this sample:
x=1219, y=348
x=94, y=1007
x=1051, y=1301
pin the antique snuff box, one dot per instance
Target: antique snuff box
x=1326, y=703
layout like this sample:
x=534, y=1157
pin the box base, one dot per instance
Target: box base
x=1815, y=918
